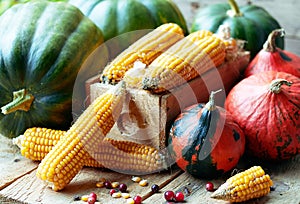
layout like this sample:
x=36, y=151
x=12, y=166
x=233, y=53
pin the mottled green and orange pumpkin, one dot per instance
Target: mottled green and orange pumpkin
x=267, y=108
x=204, y=141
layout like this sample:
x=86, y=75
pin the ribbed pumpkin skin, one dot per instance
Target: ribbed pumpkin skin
x=116, y=17
x=254, y=25
x=270, y=121
x=205, y=143
x=42, y=48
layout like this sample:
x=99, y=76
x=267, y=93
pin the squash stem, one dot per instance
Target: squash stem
x=21, y=101
x=235, y=10
x=270, y=45
x=211, y=105
x=275, y=86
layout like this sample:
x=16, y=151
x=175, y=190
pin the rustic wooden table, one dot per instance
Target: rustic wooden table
x=18, y=183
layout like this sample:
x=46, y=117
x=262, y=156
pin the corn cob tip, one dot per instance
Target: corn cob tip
x=18, y=141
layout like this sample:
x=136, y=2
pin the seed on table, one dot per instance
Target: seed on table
x=123, y=187
x=130, y=201
x=169, y=195
x=137, y=199
x=115, y=184
x=125, y=195
x=143, y=182
x=85, y=198
x=107, y=184
x=209, y=186
x=100, y=184
x=112, y=191
x=116, y=195
x=179, y=197
x=136, y=179
x=155, y=188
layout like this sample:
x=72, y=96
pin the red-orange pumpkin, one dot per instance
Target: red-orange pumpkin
x=204, y=141
x=267, y=108
x=272, y=58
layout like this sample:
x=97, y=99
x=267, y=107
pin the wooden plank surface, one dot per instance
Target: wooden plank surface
x=17, y=174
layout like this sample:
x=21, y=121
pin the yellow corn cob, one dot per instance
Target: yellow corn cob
x=129, y=157
x=182, y=62
x=68, y=156
x=145, y=50
x=133, y=77
x=37, y=142
x=246, y=185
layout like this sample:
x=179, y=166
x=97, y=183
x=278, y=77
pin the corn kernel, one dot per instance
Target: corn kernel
x=117, y=195
x=130, y=201
x=136, y=179
x=143, y=183
x=84, y=198
x=126, y=195
x=115, y=184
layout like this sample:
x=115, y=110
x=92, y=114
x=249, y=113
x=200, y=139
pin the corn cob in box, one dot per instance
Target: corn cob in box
x=133, y=77
x=116, y=155
x=246, y=185
x=145, y=50
x=185, y=60
x=67, y=157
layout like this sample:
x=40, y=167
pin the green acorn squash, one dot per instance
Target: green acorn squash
x=249, y=22
x=116, y=17
x=204, y=140
x=42, y=48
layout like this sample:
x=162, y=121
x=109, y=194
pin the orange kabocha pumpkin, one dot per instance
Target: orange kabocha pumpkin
x=267, y=108
x=272, y=58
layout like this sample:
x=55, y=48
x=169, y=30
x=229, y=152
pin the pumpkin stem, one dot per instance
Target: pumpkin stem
x=211, y=105
x=275, y=86
x=270, y=45
x=235, y=10
x=21, y=101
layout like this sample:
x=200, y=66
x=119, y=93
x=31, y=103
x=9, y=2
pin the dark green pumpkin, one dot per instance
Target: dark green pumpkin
x=43, y=46
x=115, y=17
x=205, y=141
x=118, y=18
x=249, y=22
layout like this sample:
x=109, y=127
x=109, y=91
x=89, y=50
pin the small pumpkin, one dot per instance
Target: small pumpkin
x=267, y=108
x=249, y=22
x=273, y=58
x=41, y=53
x=205, y=141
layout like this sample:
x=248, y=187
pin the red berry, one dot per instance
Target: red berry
x=179, y=197
x=137, y=199
x=93, y=195
x=107, y=184
x=169, y=195
x=91, y=200
x=123, y=187
x=209, y=186
x=112, y=191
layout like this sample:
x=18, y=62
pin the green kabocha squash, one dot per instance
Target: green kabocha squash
x=249, y=22
x=6, y=4
x=205, y=141
x=42, y=48
x=123, y=22
x=116, y=17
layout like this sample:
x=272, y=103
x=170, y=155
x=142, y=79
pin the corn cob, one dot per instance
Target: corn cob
x=35, y=143
x=145, y=50
x=133, y=77
x=246, y=185
x=182, y=62
x=130, y=157
x=67, y=157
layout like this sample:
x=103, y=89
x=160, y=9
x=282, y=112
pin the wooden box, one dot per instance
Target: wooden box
x=146, y=118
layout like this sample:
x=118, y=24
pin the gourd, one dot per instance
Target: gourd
x=272, y=58
x=250, y=23
x=123, y=22
x=267, y=107
x=40, y=58
x=116, y=17
x=205, y=141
